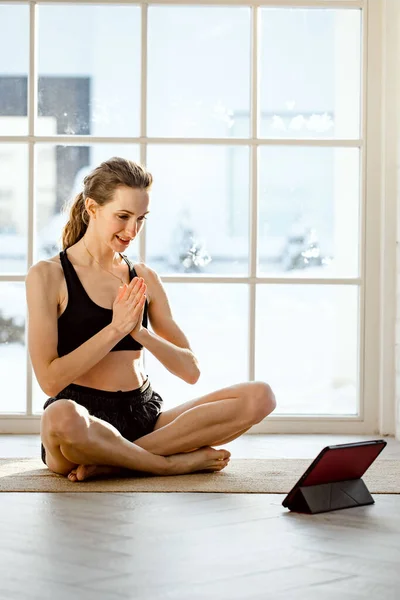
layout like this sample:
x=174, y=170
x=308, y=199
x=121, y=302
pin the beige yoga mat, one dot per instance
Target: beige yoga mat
x=242, y=476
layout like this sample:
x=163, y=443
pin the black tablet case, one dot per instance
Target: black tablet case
x=333, y=481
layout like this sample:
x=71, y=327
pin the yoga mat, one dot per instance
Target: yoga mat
x=241, y=476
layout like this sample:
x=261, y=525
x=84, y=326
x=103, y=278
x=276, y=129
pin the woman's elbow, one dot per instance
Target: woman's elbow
x=49, y=386
x=44, y=383
x=47, y=389
x=193, y=377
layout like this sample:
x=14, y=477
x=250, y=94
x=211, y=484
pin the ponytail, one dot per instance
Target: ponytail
x=77, y=224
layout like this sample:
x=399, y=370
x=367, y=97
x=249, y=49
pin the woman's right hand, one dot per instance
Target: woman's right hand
x=127, y=306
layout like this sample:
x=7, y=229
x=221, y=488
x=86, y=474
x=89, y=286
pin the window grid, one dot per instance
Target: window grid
x=253, y=142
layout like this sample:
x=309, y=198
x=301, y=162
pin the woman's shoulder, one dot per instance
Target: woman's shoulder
x=137, y=266
x=52, y=263
x=149, y=275
x=47, y=271
x=140, y=267
x=143, y=270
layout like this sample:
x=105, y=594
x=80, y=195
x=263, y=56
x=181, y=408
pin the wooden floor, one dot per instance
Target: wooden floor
x=197, y=546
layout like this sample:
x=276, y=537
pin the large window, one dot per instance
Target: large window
x=252, y=120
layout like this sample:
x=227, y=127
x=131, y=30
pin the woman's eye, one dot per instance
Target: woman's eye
x=124, y=217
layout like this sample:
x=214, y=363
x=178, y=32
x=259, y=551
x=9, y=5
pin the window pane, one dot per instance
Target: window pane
x=14, y=60
x=12, y=348
x=308, y=221
x=89, y=70
x=307, y=347
x=59, y=178
x=310, y=73
x=197, y=213
x=198, y=70
x=214, y=317
x=13, y=207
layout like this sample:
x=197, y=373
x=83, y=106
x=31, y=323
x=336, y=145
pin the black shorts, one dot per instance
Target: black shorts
x=133, y=413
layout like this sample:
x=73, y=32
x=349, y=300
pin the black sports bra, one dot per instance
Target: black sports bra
x=83, y=318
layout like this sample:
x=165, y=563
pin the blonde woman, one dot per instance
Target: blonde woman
x=91, y=306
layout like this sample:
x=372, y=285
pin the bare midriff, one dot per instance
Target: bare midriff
x=117, y=371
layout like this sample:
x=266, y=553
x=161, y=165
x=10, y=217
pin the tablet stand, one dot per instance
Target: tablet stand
x=330, y=496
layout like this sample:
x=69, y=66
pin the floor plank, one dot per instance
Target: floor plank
x=197, y=546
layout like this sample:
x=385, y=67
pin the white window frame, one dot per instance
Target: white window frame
x=377, y=250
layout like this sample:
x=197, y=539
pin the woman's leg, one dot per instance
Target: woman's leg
x=81, y=472
x=72, y=437
x=210, y=420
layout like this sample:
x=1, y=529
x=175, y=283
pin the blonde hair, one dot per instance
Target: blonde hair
x=100, y=185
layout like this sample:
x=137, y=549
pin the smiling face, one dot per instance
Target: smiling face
x=119, y=222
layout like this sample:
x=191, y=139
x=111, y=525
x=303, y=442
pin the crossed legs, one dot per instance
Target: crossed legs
x=211, y=420
x=180, y=442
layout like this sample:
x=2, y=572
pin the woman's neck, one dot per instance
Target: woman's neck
x=100, y=253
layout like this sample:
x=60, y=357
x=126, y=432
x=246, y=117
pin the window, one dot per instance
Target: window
x=252, y=120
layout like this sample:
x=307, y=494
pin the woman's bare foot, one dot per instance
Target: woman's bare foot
x=204, y=459
x=89, y=471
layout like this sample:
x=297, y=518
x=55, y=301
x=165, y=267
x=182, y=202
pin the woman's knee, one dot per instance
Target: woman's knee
x=66, y=420
x=260, y=401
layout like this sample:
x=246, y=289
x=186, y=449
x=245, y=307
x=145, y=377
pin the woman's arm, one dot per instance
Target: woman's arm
x=179, y=361
x=63, y=371
x=168, y=343
x=54, y=373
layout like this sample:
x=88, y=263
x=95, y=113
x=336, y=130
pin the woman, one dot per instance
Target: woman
x=91, y=306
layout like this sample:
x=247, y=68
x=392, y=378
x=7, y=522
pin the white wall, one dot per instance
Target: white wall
x=393, y=168
x=390, y=229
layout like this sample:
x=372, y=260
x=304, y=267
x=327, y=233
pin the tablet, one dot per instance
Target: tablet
x=338, y=463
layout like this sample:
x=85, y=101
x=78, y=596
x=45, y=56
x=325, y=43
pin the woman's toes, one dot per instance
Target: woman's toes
x=86, y=471
x=221, y=464
x=82, y=472
x=223, y=454
x=218, y=467
x=72, y=476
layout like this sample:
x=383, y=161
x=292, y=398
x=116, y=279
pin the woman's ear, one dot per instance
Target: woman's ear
x=91, y=207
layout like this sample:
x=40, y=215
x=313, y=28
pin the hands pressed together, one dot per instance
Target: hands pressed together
x=128, y=307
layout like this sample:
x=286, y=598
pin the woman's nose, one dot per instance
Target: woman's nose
x=132, y=229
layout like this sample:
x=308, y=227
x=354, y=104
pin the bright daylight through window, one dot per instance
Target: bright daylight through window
x=254, y=226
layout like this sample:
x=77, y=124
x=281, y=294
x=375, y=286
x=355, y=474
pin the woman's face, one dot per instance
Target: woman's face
x=121, y=220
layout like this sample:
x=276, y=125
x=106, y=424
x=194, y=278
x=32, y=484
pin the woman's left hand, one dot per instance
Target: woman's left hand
x=135, y=333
